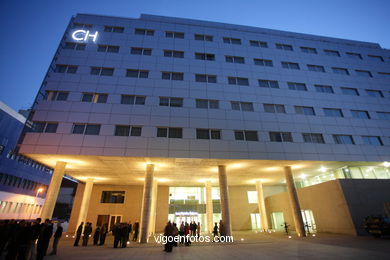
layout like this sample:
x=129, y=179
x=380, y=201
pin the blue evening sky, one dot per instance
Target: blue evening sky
x=31, y=29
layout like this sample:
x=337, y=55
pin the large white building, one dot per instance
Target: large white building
x=185, y=120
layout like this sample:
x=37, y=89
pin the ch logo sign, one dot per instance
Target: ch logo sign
x=83, y=35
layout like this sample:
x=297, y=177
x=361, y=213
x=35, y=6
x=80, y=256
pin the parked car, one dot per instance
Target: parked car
x=377, y=225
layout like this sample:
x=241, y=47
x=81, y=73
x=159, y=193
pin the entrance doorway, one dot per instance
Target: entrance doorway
x=277, y=219
x=114, y=219
x=255, y=221
x=308, y=220
x=186, y=217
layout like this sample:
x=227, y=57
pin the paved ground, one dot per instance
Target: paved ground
x=253, y=246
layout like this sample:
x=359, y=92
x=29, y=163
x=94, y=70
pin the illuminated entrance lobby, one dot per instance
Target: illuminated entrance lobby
x=163, y=118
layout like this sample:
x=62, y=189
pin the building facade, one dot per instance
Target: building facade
x=168, y=118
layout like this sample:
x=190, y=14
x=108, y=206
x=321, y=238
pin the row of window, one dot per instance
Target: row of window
x=165, y=75
x=211, y=57
x=204, y=103
x=14, y=181
x=236, y=41
x=27, y=161
x=244, y=135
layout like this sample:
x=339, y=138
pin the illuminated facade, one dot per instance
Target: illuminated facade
x=139, y=109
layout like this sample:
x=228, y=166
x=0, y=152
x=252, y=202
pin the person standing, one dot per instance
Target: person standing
x=116, y=231
x=57, y=236
x=78, y=234
x=181, y=232
x=221, y=229
x=35, y=230
x=103, y=233
x=87, y=233
x=187, y=234
x=215, y=231
x=136, y=230
x=198, y=230
x=96, y=235
x=44, y=239
x=168, y=233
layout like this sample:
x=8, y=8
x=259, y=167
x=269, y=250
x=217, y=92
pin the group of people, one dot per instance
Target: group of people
x=24, y=240
x=121, y=231
x=187, y=229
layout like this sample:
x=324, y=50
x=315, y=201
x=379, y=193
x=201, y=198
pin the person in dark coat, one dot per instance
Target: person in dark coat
x=116, y=232
x=103, y=233
x=35, y=230
x=215, y=231
x=78, y=234
x=136, y=230
x=12, y=243
x=23, y=240
x=44, y=239
x=96, y=235
x=57, y=236
x=87, y=233
x=168, y=233
x=4, y=234
x=187, y=232
x=124, y=234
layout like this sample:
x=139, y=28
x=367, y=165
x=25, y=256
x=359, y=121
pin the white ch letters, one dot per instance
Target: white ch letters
x=83, y=35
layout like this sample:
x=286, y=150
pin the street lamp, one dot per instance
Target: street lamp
x=36, y=196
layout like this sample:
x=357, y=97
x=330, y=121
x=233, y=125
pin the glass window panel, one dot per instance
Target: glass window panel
x=92, y=129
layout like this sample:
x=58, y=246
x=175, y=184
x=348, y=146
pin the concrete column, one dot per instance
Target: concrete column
x=261, y=204
x=85, y=202
x=152, y=226
x=209, y=207
x=53, y=190
x=147, y=203
x=224, y=194
x=294, y=202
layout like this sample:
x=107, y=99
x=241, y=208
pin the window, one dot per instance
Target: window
x=204, y=56
x=354, y=55
x=133, y=100
x=378, y=58
x=313, y=138
x=86, y=129
x=383, y=115
x=374, y=93
x=364, y=73
x=174, y=54
x=170, y=132
x=309, y=50
x=45, y=127
x=172, y=75
x=246, y=135
x=264, y=83
x=141, y=51
x=261, y=62
x=108, y=48
x=207, y=103
x=243, y=106
x=309, y=111
x=115, y=29
x=60, y=68
x=296, y=86
x=126, y=130
x=324, y=89
x=285, y=47
x=75, y=46
x=113, y=197
x=372, y=140
x=176, y=35
x=203, y=37
x=82, y=25
x=290, y=65
x=171, y=101
x=234, y=59
x=332, y=53
x=208, y=134
x=316, y=68
x=252, y=197
x=231, y=40
x=343, y=139
x=280, y=136
x=100, y=71
x=205, y=78
x=258, y=44
x=148, y=32
x=341, y=71
x=94, y=97
x=360, y=114
x=333, y=112
x=274, y=108
x=238, y=81
x=350, y=91
x=56, y=95
x=137, y=73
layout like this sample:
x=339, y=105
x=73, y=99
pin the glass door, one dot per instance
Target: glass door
x=308, y=220
x=277, y=219
x=114, y=219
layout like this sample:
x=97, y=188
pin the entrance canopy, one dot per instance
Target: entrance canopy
x=185, y=171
